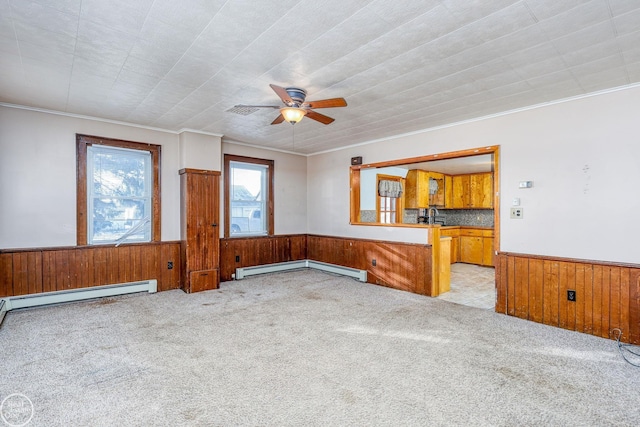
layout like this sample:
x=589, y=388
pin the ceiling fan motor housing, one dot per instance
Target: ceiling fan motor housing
x=297, y=95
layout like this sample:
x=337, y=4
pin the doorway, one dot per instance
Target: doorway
x=472, y=285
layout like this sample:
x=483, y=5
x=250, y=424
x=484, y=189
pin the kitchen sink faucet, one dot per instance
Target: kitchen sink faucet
x=431, y=215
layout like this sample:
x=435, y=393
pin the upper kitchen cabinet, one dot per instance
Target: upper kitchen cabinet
x=471, y=191
x=424, y=189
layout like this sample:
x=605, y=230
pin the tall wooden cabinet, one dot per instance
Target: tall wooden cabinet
x=417, y=194
x=200, y=236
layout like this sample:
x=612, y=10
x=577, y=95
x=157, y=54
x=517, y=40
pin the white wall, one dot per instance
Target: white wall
x=583, y=156
x=290, y=187
x=38, y=176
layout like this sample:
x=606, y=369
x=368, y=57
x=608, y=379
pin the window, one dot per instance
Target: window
x=389, y=208
x=118, y=191
x=248, y=196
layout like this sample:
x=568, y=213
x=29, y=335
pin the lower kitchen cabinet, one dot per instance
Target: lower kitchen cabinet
x=471, y=249
x=471, y=245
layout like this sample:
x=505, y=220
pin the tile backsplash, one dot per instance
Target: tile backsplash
x=466, y=217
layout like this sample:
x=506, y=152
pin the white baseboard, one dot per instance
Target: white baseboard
x=243, y=272
x=57, y=297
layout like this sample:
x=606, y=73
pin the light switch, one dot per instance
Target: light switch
x=516, y=201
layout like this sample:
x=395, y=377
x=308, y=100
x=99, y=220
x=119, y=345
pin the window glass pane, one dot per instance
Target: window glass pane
x=248, y=189
x=119, y=172
x=119, y=194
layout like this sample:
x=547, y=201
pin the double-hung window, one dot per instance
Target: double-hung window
x=117, y=191
x=248, y=196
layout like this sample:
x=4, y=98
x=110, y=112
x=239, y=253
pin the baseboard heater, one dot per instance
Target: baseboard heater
x=243, y=272
x=57, y=297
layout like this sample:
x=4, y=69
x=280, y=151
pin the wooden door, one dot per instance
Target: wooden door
x=200, y=194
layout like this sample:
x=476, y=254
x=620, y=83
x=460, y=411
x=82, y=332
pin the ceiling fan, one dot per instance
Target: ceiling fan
x=295, y=106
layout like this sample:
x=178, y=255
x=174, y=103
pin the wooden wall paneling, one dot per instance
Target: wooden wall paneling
x=501, y=284
x=521, y=287
x=625, y=301
x=169, y=279
x=149, y=262
x=48, y=276
x=20, y=274
x=511, y=286
x=615, y=300
x=570, y=284
x=605, y=301
x=81, y=268
x=112, y=266
x=551, y=308
x=61, y=268
x=35, y=271
x=588, y=298
x=634, y=306
x=6, y=275
x=597, y=298
x=581, y=296
x=136, y=263
x=536, y=287
x=122, y=267
x=99, y=266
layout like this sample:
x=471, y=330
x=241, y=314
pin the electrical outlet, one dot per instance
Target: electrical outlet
x=373, y=262
x=170, y=265
x=237, y=258
x=517, y=213
x=571, y=295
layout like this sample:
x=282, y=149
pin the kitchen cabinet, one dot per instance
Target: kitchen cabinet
x=470, y=245
x=454, y=250
x=200, y=243
x=471, y=191
x=417, y=193
x=487, y=250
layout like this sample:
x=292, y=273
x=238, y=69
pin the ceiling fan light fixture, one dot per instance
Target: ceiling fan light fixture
x=293, y=115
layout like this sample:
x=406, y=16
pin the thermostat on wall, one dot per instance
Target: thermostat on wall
x=525, y=184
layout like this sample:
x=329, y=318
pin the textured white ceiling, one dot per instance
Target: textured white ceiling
x=401, y=66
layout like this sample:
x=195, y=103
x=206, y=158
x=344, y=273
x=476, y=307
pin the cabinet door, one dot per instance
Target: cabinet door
x=460, y=191
x=455, y=250
x=481, y=190
x=203, y=280
x=448, y=191
x=487, y=251
x=471, y=250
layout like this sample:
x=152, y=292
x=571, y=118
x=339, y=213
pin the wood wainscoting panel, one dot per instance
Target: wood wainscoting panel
x=536, y=288
x=259, y=250
x=404, y=266
x=30, y=271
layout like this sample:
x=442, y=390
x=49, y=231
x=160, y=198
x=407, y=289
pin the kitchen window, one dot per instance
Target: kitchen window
x=248, y=196
x=118, y=191
x=389, y=200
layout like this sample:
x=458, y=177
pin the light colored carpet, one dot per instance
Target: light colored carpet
x=307, y=348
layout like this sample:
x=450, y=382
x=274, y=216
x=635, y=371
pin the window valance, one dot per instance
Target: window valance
x=388, y=188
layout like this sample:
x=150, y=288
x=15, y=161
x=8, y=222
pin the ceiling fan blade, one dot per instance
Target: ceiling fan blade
x=319, y=117
x=327, y=103
x=278, y=120
x=282, y=93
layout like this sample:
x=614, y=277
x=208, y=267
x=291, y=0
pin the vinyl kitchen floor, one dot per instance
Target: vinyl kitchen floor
x=472, y=285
